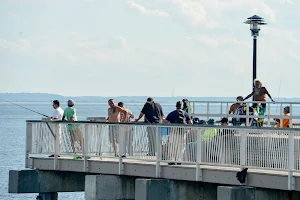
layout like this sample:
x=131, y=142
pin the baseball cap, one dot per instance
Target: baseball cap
x=178, y=104
x=71, y=102
x=224, y=120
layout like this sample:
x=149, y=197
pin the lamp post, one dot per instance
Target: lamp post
x=255, y=23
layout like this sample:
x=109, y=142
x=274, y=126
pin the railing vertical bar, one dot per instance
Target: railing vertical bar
x=121, y=147
x=159, y=153
x=269, y=113
x=56, y=144
x=291, y=149
x=198, y=156
x=86, y=147
x=207, y=111
x=29, y=144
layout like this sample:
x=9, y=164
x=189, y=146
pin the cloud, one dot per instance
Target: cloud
x=195, y=12
x=146, y=11
x=12, y=15
x=218, y=41
x=21, y=45
x=286, y=1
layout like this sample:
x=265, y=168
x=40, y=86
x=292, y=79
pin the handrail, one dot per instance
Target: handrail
x=257, y=148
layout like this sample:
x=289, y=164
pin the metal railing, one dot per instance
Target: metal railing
x=255, y=148
x=219, y=109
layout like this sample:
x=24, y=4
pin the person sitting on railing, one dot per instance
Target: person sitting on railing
x=285, y=121
x=259, y=94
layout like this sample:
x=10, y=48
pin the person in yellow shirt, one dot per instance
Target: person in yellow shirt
x=285, y=121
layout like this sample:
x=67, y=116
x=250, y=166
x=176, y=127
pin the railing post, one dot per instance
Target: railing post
x=28, y=150
x=291, y=116
x=193, y=107
x=269, y=113
x=198, y=156
x=159, y=153
x=281, y=118
x=56, y=144
x=247, y=115
x=243, y=148
x=227, y=108
x=85, y=149
x=291, y=166
x=121, y=148
x=207, y=111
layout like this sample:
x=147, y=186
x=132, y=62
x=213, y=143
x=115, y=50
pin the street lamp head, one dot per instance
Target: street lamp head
x=255, y=23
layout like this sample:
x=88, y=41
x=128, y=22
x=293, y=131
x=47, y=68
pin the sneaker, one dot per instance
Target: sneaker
x=53, y=156
x=77, y=157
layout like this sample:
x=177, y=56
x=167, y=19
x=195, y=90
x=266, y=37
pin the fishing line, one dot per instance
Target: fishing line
x=25, y=108
x=279, y=93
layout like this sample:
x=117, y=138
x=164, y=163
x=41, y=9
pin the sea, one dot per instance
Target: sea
x=13, y=127
x=12, y=137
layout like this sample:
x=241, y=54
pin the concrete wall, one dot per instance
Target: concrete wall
x=36, y=181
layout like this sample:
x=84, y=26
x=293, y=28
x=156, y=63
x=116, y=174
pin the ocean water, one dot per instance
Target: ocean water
x=12, y=138
x=13, y=128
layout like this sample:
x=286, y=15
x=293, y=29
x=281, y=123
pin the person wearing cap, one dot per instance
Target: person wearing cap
x=176, y=135
x=58, y=113
x=224, y=121
x=173, y=116
x=259, y=93
x=75, y=132
x=186, y=106
x=285, y=121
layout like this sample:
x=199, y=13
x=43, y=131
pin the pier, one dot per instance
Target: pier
x=179, y=162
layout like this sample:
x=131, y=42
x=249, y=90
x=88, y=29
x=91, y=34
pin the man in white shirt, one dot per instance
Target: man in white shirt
x=58, y=113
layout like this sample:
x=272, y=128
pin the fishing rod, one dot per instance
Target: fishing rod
x=25, y=108
x=278, y=93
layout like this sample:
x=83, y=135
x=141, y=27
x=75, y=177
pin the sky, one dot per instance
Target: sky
x=196, y=48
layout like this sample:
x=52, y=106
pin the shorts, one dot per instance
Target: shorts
x=76, y=135
x=113, y=134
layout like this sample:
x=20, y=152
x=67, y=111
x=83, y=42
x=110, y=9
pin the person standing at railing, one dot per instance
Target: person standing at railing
x=186, y=106
x=237, y=109
x=128, y=130
x=74, y=129
x=285, y=121
x=153, y=114
x=58, y=113
x=114, y=115
x=176, y=143
x=259, y=93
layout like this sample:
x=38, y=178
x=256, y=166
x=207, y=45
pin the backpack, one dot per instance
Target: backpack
x=180, y=118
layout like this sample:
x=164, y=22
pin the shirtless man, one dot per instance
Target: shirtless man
x=234, y=106
x=114, y=115
x=259, y=94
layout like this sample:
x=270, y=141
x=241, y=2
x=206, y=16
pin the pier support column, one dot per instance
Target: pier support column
x=151, y=189
x=48, y=196
x=235, y=193
x=109, y=187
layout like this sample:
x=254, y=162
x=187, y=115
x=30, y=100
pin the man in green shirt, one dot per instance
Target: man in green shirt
x=74, y=129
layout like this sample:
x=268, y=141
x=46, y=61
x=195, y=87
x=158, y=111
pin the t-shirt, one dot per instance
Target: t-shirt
x=58, y=113
x=172, y=116
x=285, y=123
x=69, y=112
x=153, y=112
